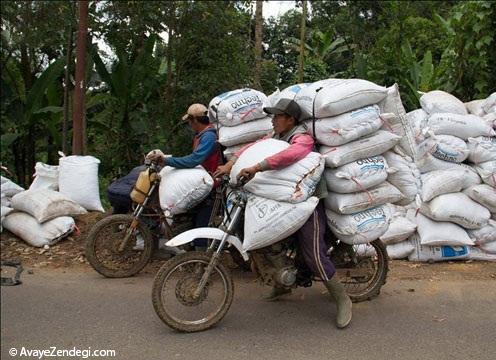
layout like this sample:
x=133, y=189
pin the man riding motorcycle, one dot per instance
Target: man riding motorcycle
x=285, y=122
x=205, y=153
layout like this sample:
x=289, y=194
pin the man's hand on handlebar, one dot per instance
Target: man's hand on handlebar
x=249, y=172
x=223, y=170
x=156, y=156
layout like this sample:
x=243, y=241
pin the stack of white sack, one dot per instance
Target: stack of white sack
x=42, y=216
x=280, y=201
x=485, y=108
x=356, y=121
x=8, y=189
x=288, y=93
x=455, y=207
x=240, y=117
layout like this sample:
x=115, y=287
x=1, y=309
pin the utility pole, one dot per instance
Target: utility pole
x=302, y=42
x=258, y=44
x=80, y=87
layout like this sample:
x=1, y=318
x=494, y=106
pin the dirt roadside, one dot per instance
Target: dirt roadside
x=69, y=254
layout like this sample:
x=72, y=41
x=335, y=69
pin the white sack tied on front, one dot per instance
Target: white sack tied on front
x=35, y=234
x=360, y=201
x=462, y=126
x=440, y=182
x=457, y=208
x=45, y=204
x=404, y=175
x=357, y=175
x=78, y=179
x=268, y=221
x=438, y=101
x=362, y=227
x=332, y=97
x=182, y=189
x=231, y=150
x=237, y=107
x=347, y=127
x=484, y=195
x=245, y=133
x=482, y=149
x=440, y=233
x=294, y=183
x=45, y=177
x=445, y=147
x=371, y=145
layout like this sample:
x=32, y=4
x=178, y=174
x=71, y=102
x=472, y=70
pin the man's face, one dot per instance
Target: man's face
x=282, y=123
x=195, y=125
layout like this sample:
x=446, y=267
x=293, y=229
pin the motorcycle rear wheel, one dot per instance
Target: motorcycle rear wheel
x=102, y=247
x=175, y=284
x=372, y=258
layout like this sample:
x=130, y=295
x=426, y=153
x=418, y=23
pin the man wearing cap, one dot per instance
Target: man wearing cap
x=205, y=153
x=286, y=114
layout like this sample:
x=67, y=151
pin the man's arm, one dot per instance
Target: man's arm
x=198, y=156
x=300, y=146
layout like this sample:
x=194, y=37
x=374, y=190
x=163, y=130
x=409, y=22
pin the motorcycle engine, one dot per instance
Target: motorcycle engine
x=285, y=271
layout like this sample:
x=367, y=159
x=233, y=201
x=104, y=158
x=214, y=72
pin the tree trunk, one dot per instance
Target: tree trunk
x=170, y=43
x=258, y=45
x=67, y=86
x=302, y=42
x=78, y=114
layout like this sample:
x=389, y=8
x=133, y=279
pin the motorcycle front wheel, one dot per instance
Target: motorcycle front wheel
x=173, y=293
x=102, y=247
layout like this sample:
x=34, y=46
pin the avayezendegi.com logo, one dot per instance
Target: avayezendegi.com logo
x=53, y=351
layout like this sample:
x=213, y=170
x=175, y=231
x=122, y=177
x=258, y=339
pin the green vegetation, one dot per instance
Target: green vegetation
x=167, y=54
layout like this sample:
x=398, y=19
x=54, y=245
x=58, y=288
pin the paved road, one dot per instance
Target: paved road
x=410, y=320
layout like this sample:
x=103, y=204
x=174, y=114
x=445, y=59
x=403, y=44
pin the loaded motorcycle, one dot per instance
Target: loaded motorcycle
x=121, y=245
x=193, y=291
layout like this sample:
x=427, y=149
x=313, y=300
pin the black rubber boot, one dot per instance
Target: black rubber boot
x=343, y=302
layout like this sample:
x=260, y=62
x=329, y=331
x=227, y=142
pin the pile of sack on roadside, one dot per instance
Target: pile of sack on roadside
x=43, y=214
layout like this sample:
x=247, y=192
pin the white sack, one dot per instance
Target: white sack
x=404, y=175
x=438, y=101
x=357, y=175
x=457, y=208
x=372, y=145
x=347, y=127
x=400, y=229
x=4, y=211
x=360, y=201
x=484, y=195
x=45, y=177
x=434, y=233
x=332, y=97
x=418, y=121
x=46, y=204
x=183, y=189
x=238, y=106
x=485, y=234
x=440, y=182
x=288, y=93
x=362, y=227
x=78, y=179
x=462, y=126
x=475, y=107
x=479, y=255
x=231, y=150
x=5, y=201
x=294, y=183
x=245, y=133
x=489, y=105
x=27, y=228
x=400, y=250
x=424, y=253
x=268, y=221
x=8, y=188
x=489, y=247
x=482, y=149
x=444, y=147
x=487, y=172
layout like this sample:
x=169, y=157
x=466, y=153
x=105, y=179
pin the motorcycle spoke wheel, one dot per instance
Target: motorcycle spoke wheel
x=371, y=261
x=174, y=289
x=102, y=247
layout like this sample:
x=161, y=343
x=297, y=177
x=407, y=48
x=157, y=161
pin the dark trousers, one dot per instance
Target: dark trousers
x=201, y=217
x=312, y=245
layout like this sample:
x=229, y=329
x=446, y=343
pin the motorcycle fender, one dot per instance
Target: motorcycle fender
x=207, y=233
